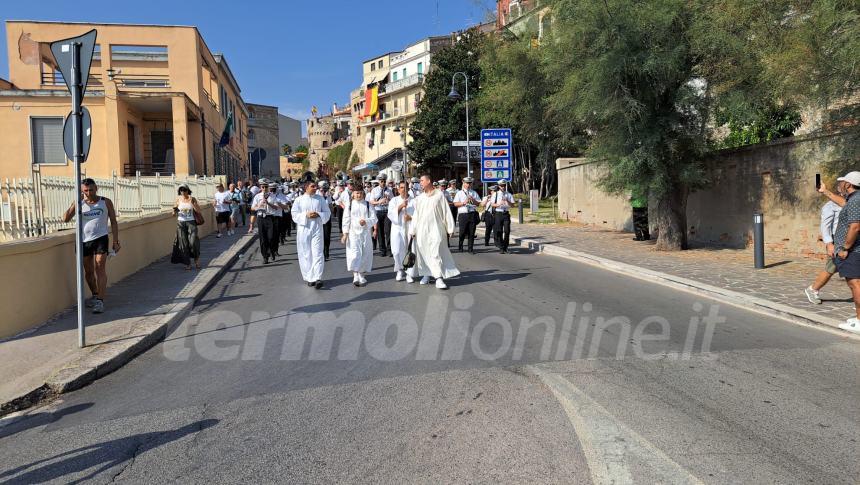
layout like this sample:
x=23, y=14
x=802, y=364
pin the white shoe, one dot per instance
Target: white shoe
x=355, y=277
x=852, y=325
x=425, y=280
x=361, y=280
x=440, y=283
x=812, y=296
x=399, y=276
x=409, y=278
x=218, y=235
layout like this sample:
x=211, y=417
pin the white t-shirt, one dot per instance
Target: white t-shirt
x=222, y=201
x=254, y=190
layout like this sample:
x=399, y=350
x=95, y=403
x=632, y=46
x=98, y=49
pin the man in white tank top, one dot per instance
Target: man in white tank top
x=96, y=212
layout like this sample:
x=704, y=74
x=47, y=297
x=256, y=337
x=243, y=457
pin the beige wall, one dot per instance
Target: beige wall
x=777, y=179
x=44, y=273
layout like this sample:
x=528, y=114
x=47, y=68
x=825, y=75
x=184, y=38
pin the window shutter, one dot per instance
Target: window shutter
x=47, y=139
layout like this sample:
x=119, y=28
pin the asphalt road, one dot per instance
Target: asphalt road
x=607, y=380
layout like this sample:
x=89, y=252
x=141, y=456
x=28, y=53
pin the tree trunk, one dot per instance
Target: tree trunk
x=670, y=215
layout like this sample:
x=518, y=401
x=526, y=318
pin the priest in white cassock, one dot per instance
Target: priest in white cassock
x=400, y=211
x=310, y=212
x=359, y=229
x=432, y=225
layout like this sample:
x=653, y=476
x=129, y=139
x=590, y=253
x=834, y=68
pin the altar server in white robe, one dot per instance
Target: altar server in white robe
x=433, y=224
x=400, y=211
x=359, y=229
x=310, y=211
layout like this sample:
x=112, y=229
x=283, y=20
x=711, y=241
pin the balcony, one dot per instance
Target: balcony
x=54, y=79
x=402, y=84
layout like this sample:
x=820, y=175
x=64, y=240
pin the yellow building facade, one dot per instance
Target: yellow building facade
x=159, y=100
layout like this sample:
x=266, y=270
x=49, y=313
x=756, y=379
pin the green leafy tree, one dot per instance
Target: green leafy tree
x=286, y=149
x=440, y=120
x=301, y=153
x=338, y=157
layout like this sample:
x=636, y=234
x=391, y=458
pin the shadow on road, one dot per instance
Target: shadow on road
x=105, y=455
x=40, y=419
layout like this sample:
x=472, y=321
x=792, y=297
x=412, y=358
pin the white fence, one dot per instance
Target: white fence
x=31, y=207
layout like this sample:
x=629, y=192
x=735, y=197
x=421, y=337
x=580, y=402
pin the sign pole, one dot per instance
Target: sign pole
x=468, y=148
x=77, y=135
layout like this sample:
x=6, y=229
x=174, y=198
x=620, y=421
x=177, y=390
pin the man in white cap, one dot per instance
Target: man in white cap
x=310, y=212
x=848, y=245
x=431, y=226
x=501, y=202
x=466, y=201
x=416, y=187
x=265, y=206
x=379, y=198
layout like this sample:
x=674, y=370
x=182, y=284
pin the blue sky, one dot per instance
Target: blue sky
x=289, y=53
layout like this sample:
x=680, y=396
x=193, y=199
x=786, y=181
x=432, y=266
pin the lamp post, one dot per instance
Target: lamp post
x=454, y=95
x=402, y=131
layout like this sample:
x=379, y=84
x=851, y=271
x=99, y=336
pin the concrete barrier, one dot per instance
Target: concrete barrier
x=38, y=275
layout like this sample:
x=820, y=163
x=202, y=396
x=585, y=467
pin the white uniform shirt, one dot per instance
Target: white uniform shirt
x=222, y=201
x=264, y=209
x=499, y=197
x=377, y=194
x=463, y=196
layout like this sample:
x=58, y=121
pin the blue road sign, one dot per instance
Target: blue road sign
x=496, y=148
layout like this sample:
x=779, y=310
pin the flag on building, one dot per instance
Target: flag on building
x=371, y=101
x=225, y=136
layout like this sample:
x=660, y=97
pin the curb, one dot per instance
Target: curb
x=102, y=359
x=746, y=302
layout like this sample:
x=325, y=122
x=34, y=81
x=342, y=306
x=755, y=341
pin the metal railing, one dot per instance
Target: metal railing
x=32, y=207
x=55, y=79
x=404, y=83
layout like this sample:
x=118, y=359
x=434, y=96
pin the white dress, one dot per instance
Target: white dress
x=399, y=229
x=431, y=224
x=309, y=235
x=359, y=243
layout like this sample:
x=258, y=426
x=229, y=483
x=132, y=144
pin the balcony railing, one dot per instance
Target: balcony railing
x=404, y=83
x=145, y=81
x=55, y=79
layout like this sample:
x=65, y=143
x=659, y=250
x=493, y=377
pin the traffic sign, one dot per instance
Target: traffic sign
x=62, y=50
x=397, y=165
x=68, y=134
x=462, y=143
x=457, y=154
x=496, y=150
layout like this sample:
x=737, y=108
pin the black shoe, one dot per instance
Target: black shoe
x=318, y=284
x=327, y=258
x=471, y=251
x=460, y=249
x=310, y=283
x=265, y=260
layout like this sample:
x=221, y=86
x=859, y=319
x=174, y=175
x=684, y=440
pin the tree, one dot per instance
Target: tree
x=440, y=120
x=301, y=153
x=286, y=149
x=338, y=157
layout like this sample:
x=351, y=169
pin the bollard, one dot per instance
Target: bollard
x=520, y=207
x=758, y=240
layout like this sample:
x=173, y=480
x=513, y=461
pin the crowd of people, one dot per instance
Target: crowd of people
x=412, y=221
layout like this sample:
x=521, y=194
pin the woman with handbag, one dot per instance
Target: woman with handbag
x=358, y=230
x=186, y=246
x=400, y=214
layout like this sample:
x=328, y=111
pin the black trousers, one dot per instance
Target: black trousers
x=489, y=225
x=326, y=238
x=287, y=222
x=338, y=210
x=282, y=228
x=468, y=222
x=640, y=224
x=267, y=229
x=502, y=229
x=383, y=228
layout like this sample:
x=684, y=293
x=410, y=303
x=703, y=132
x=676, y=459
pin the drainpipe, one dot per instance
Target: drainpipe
x=203, y=130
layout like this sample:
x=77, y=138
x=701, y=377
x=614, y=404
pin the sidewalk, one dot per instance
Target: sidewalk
x=44, y=362
x=727, y=274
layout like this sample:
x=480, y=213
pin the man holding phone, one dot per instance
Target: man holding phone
x=829, y=217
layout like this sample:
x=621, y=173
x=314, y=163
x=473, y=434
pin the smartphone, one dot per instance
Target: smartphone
x=817, y=181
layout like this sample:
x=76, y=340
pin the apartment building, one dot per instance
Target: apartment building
x=159, y=98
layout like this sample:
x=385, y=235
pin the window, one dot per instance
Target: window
x=404, y=73
x=382, y=134
x=380, y=63
x=46, y=137
x=372, y=66
x=420, y=68
x=325, y=143
x=394, y=76
x=251, y=135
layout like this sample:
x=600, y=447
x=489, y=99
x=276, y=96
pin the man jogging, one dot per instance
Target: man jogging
x=95, y=213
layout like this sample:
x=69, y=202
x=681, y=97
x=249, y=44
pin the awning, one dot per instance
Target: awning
x=365, y=167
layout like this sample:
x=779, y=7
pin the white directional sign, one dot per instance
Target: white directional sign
x=462, y=143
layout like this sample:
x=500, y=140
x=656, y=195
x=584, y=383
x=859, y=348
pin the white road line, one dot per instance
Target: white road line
x=609, y=446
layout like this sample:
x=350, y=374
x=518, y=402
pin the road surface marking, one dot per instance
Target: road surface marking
x=609, y=446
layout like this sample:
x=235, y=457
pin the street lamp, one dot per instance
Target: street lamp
x=454, y=95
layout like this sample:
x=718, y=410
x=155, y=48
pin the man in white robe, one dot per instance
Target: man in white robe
x=310, y=212
x=400, y=211
x=432, y=225
x=359, y=229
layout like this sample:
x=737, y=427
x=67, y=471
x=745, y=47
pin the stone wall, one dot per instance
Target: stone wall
x=776, y=178
x=263, y=123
